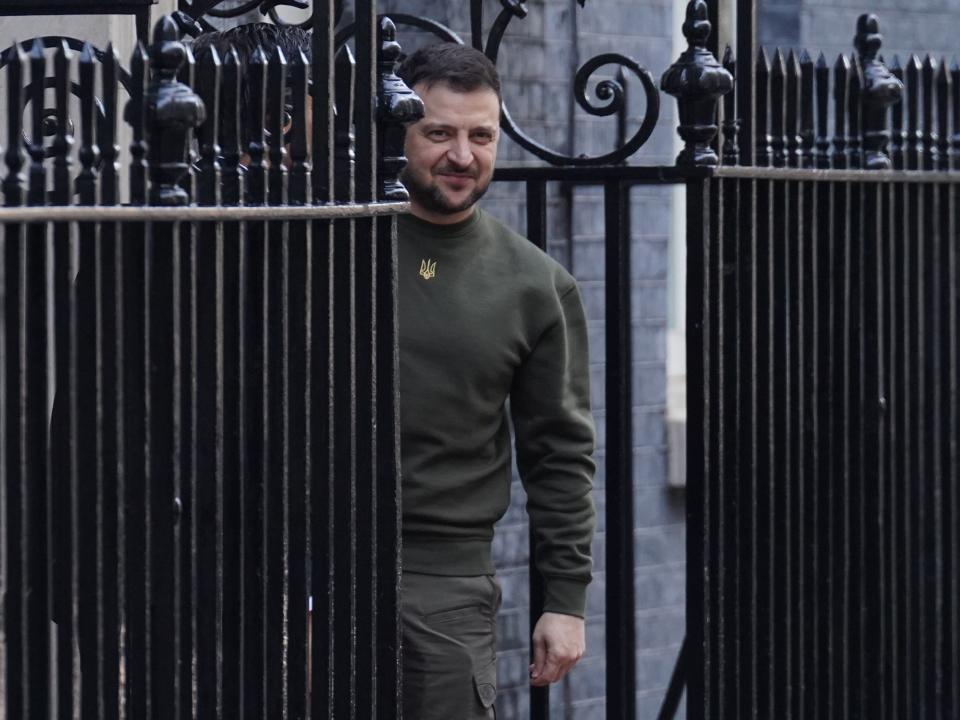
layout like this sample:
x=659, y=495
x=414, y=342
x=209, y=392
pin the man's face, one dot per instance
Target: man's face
x=451, y=152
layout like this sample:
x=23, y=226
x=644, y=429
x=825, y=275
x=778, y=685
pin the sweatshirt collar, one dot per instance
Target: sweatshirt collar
x=441, y=232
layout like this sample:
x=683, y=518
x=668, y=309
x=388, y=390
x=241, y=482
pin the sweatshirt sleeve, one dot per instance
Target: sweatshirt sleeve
x=550, y=405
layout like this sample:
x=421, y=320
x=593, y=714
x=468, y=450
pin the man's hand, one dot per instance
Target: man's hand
x=558, y=643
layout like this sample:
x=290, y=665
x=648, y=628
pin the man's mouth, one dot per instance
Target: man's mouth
x=457, y=179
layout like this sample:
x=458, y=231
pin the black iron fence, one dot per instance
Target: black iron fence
x=198, y=413
x=823, y=330
x=233, y=320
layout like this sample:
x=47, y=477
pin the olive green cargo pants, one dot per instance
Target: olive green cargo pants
x=449, y=646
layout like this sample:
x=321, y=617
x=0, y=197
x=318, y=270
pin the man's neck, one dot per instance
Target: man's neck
x=436, y=218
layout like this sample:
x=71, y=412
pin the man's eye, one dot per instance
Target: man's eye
x=437, y=134
x=484, y=137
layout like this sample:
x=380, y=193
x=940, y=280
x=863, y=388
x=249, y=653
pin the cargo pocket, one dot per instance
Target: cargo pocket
x=485, y=681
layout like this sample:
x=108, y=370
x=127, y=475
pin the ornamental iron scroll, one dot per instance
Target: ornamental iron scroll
x=698, y=81
x=193, y=16
x=610, y=92
x=55, y=123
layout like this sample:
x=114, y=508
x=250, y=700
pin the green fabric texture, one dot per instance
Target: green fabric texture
x=485, y=316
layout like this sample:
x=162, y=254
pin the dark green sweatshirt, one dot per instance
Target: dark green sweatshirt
x=486, y=316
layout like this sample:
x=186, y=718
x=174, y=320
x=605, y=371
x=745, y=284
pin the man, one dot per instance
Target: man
x=487, y=322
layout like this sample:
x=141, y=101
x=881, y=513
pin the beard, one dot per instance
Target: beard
x=429, y=195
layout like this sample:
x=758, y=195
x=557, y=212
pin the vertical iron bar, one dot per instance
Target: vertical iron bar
x=255, y=398
x=792, y=111
x=763, y=152
x=780, y=487
x=841, y=93
x=823, y=468
x=185, y=520
x=731, y=123
x=14, y=245
x=731, y=279
x=388, y=474
x=912, y=112
x=794, y=396
x=951, y=300
x=321, y=526
x=873, y=408
x=90, y=397
x=745, y=79
x=136, y=513
x=298, y=393
x=35, y=471
x=207, y=515
x=365, y=190
x=822, y=84
x=808, y=438
x=536, y=193
x=698, y=470
x=777, y=117
x=69, y=437
x=765, y=536
x=892, y=212
x=162, y=446
x=930, y=391
x=343, y=658
x=918, y=425
x=135, y=642
x=365, y=261
x=897, y=135
x=275, y=344
x=366, y=587
x=928, y=132
x=716, y=443
x=620, y=617
x=111, y=361
x=747, y=428
x=854, y=114
x=944, y=82
x=230, y=317
x=321, y=370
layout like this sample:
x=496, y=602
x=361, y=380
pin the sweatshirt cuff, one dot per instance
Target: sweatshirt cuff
x=568, y=597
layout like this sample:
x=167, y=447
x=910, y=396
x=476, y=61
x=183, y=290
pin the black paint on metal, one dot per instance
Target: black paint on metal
x=837, y=363
x=170, y=516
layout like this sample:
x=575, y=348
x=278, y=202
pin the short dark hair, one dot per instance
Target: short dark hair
x=247, y=38
x=461, y=67
x=290, y=39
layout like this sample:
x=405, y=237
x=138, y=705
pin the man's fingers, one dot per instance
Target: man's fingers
x=539, y=657
x=551, y=668
x=554, y=668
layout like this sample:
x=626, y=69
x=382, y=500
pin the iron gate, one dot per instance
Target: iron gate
x=240, y=327
x=823, y=296
x=216, y=349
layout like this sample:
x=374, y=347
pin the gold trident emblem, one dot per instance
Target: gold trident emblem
x=428, y=269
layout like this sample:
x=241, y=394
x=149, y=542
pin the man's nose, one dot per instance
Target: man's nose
x=459, y=153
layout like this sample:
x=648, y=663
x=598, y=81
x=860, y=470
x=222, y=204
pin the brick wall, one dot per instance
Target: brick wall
x=538, y=61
